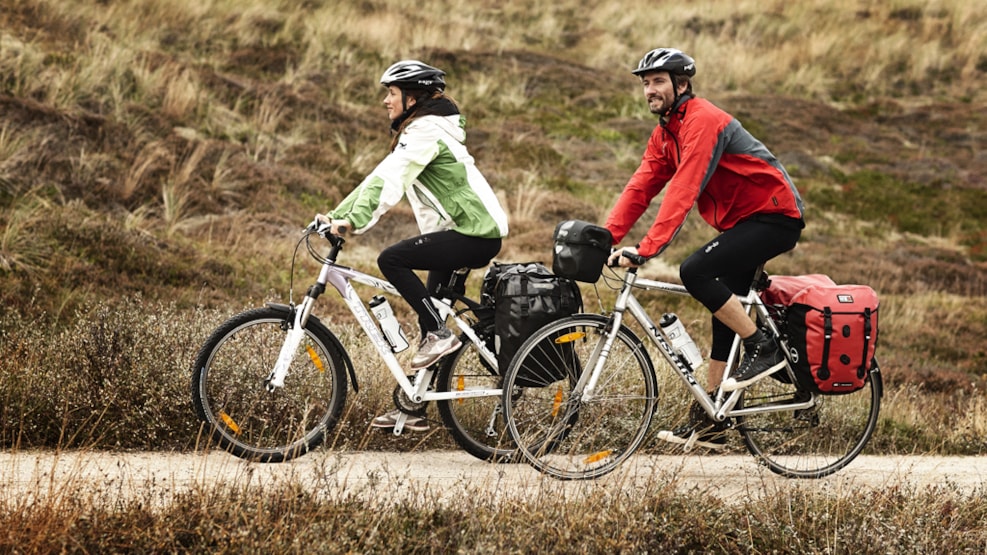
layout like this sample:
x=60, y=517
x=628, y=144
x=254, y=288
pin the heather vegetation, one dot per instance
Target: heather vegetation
x=158, y=159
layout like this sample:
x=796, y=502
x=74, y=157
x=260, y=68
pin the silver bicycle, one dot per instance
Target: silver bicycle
x=270, y=383
x=600, y=393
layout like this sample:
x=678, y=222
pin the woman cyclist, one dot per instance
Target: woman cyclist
x=460, y=219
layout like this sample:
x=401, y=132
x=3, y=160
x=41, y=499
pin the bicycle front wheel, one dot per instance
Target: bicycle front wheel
x=475, y=423
x=569, y=434
x=814, y=442
x=230, y=394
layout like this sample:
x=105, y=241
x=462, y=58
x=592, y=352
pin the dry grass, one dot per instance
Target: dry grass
x=296, y=517
x=155, y=130
x=182, y=145
x=123, y=383
x=157, y=159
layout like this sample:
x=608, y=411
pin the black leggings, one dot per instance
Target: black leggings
x=441, y=253
x=725, y=266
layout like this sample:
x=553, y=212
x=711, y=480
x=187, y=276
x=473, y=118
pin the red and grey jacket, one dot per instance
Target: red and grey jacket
x=705, y=157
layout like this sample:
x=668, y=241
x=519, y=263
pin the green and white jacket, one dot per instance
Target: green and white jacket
x=431, y=166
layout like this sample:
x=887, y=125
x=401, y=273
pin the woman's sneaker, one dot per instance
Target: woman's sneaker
x=760, y=360
x=436, y=345
x=389, y=420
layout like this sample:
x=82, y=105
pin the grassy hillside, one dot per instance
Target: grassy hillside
x=158, y=158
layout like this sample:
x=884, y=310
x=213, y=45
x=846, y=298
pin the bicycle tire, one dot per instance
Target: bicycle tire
x=476, y=424
x=810, y=443
x=230, y=395
x=555, y=430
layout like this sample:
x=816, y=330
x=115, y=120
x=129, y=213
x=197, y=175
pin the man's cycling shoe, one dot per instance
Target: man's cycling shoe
x=711, y=438
x=760, y=361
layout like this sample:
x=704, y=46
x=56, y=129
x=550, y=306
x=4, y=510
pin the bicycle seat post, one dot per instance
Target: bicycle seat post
x=457, y=281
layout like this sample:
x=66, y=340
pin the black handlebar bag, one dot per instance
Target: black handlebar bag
x=581, y=249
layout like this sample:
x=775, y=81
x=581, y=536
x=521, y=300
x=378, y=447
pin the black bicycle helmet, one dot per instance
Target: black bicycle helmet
x=671, y=60
x=412, y=74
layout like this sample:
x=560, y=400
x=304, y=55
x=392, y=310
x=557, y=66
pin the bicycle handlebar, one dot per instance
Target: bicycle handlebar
x=324, y=230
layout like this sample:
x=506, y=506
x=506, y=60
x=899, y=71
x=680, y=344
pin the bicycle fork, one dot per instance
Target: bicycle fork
x=587, y=382
x=294, y=337
x=292, y=340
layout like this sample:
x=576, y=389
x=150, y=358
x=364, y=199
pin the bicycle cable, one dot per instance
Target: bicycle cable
x=291, y=273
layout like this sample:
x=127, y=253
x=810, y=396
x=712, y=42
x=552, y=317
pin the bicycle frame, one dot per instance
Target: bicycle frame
x=719, y=408
x=340, y=278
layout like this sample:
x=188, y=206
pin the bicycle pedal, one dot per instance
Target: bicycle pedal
x=691, y=442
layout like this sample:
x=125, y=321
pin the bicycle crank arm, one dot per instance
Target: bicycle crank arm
x=494, y=417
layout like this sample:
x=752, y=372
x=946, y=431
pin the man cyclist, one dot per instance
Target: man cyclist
x=701, y=156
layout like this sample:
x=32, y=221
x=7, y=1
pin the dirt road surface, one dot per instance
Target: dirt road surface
x=444, y=475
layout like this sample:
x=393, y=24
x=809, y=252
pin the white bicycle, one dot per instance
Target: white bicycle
x=270, y=383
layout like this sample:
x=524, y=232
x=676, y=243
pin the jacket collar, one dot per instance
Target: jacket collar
x=677, y=109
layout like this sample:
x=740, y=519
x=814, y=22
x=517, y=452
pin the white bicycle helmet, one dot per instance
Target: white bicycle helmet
x=412, y=74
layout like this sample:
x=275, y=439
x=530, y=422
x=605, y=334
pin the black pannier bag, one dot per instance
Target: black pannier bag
x=526, y=296
x=581, y=250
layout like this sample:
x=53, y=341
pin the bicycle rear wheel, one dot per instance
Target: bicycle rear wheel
x=809, y=443
x=475, y=423
x=230, y=395
x=555, y=428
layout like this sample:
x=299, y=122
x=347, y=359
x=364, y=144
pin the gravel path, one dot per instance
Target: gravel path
x=443, y=475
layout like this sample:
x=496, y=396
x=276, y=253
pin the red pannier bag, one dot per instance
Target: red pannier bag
x=831, y=330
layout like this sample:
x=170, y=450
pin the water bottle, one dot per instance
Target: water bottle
x=388, y=323
x=680, y=340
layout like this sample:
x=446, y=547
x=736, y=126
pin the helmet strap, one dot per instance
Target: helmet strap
x=408, y=110
x=677, y=103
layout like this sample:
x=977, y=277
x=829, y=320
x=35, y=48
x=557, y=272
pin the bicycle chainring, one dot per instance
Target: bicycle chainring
x=405, y=404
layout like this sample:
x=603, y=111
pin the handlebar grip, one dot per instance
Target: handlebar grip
x=344, y=229
x=636, y=258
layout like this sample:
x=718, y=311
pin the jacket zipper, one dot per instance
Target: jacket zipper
x=427, y=201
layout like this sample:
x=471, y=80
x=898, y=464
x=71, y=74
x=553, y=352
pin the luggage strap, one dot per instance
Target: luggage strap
x=823, y=372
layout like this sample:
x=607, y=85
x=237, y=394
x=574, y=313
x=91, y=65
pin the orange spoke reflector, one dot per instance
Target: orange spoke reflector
x=557, y=402
x=460, y=385
x=570, y=337
x=315, y=358
x=228, y=420
x=597, y=457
